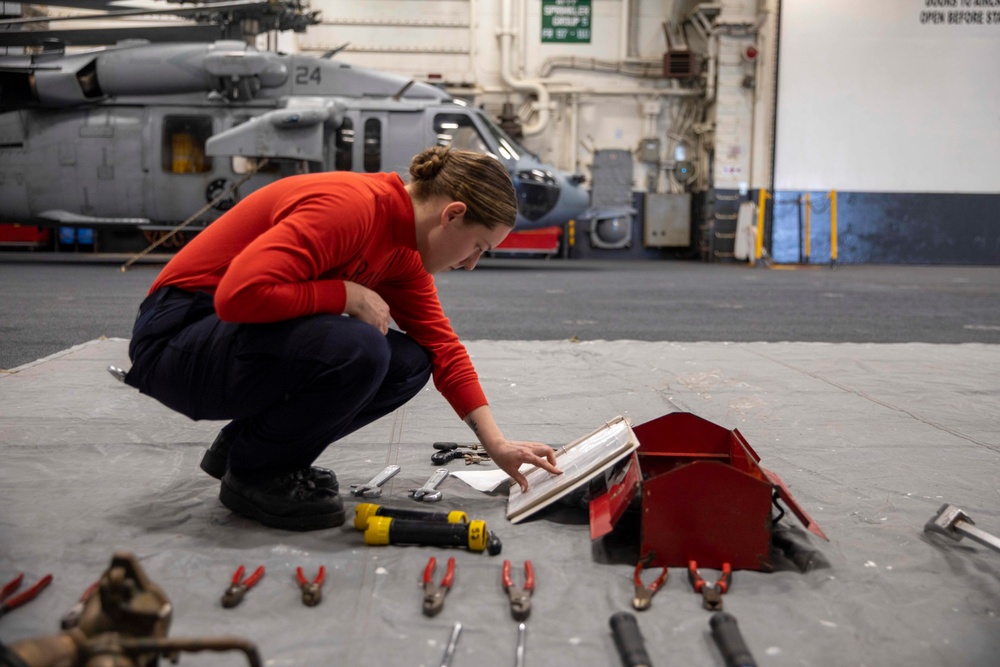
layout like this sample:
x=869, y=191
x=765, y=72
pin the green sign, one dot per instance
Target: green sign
x=566, y=21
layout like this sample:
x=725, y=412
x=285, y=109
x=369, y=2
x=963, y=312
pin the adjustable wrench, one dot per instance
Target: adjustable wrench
x=428, y=492
x=373, y=488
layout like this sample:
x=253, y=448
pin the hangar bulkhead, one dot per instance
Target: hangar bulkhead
x=743, y=130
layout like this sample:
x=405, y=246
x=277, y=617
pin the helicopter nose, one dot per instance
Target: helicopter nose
x=573, y=198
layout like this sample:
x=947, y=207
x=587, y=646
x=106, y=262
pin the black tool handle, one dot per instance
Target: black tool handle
x=440, y=458
x=727, y=636
x=413, y=515
x=629, y=640
x=429, y=533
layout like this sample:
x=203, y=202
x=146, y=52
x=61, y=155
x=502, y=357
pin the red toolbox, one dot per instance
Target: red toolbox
x=705, y=496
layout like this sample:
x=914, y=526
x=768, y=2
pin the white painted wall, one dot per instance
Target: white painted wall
x=875, y=96
x=459, y=40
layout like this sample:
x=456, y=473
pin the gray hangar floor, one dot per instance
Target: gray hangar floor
x=870, y=438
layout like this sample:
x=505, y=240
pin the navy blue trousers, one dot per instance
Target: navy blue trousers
x=290, y=388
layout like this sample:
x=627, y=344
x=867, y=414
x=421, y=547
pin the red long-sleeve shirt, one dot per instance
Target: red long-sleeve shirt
x=286, y=250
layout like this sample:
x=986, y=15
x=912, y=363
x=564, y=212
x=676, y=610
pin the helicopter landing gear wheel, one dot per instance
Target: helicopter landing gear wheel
x=218, y=188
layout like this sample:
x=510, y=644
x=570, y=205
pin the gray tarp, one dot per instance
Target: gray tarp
x=871, y=439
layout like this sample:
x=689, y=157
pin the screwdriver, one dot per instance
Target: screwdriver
x=365, y=511
x=473, y=535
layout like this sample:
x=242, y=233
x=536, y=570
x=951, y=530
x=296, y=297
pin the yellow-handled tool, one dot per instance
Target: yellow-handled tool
x=365, y=511
x=472, y=535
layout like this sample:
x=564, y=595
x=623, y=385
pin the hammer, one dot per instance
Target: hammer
x=956, y=524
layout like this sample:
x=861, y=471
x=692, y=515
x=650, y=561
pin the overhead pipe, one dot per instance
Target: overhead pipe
x=533, y=86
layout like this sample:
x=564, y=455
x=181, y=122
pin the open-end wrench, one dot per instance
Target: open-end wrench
x=428, y=493
x=373, y=489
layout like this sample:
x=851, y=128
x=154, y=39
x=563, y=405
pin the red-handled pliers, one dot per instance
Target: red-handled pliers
x=644, y=594
x=234, y=594
x=434, y=594
x=711, y=595
x=520, y=598
x=8, y=603
x=312, y=592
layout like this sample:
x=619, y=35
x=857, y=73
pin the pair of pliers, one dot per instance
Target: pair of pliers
x=711, y=596
x=8, y=603
x=520, y=598
x=239, y=587
x=312, y=591
x=434, y=594
x=644, y=594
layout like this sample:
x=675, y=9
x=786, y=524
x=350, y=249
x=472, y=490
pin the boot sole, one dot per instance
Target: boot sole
x=243, y=507
x=214, y=464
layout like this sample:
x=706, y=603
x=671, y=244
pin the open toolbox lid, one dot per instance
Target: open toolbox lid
x=704, y=496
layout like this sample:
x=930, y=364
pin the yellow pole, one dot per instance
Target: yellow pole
x=762, y=200
x=833, y=226
x=807, y=228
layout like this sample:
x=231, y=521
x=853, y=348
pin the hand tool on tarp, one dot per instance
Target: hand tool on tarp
x=726, y=633
x=472, y=536
x=452, y=446
x=428, y=493
x=239, y=586
x=711, y=595
x=312, y=591
x=522, y=632
x=72, y=617
x=440, y=458
x=373, y=488
x=644, y=594
x=520, y=598
x=124, y=622
x=449, y=650
x=434, y=594
x=956, y=524
x=9, y=601
x=364, y=511
x=628, y=640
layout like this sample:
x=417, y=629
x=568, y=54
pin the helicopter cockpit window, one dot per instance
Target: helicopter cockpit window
x=458, y=131
x=344, y=159
x=184, y=140
x=373, y=145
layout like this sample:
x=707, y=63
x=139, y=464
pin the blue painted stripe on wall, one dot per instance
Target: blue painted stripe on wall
x=892, y=228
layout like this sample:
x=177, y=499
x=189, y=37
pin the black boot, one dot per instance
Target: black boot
x=216, y=461
x=286, y=500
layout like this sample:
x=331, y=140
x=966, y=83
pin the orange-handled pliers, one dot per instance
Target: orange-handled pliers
x=644, y=594
x=434, y=594
x=520, y=598
x=234, y=594
x=8, y=603
x=312, y=591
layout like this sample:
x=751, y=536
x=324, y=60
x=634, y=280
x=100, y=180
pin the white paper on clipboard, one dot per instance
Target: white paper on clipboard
x=580, y=461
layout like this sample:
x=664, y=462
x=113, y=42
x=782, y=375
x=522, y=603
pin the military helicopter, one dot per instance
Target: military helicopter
x=146, y=135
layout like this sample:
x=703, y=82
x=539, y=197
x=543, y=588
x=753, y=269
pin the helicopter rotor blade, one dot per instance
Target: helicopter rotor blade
x=197, y=9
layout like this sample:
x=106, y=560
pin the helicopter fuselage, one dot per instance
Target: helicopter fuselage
x=152, y=135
